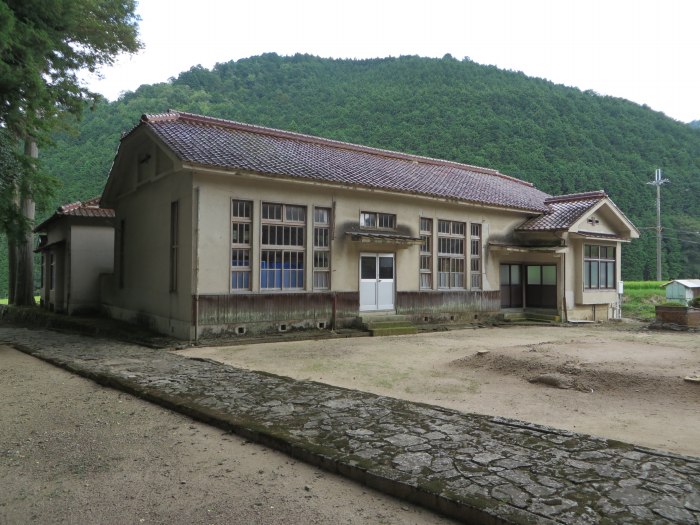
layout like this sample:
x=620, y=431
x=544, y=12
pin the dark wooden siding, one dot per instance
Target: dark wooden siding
x=447, y=302
x=262, y=308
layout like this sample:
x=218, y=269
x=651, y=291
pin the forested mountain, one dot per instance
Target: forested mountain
x=560, y=138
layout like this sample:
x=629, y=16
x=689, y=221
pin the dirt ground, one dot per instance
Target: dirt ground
x=617, y=381
x=72, y=451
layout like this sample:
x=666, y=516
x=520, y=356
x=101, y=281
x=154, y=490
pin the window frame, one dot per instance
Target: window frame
x=241, y=275
x=322, y=232
x=174, y=244
x=378, y=220
x=52, y=271
x=451, y=263
x=121, y=260
x=475, y=255
x=596, y=257
x=292, y=250
x=425, y=256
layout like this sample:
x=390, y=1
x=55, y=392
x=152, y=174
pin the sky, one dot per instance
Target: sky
x=640, y=50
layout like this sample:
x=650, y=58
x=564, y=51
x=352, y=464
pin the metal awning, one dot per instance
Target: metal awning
x=525, y=248
x=596, y=235
x=383, y=238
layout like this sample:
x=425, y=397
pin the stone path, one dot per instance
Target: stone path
x=475, y=468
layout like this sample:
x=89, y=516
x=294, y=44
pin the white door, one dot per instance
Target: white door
x=376, y=281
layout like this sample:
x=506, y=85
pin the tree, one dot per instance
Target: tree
x=44, y=47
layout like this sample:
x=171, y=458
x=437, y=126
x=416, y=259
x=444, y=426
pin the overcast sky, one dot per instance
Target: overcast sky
x=644, y=51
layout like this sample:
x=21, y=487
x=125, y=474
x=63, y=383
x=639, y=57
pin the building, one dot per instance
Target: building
x=228, y=228
x=682, y=290
x=76, y=245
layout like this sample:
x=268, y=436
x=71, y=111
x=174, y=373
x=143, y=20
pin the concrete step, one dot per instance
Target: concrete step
x=544, y=317
x=387, y=324
x=381, y=317
x=517, y=317
x=396, y=330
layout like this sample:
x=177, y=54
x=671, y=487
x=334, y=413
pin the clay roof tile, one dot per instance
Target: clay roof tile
x=219, y=143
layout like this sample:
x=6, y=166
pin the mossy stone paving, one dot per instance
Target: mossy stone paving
x=475, y=468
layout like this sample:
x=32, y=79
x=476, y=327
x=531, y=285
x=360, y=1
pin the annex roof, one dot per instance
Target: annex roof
x=563, y=211
x=88, y=208
x=211, y=142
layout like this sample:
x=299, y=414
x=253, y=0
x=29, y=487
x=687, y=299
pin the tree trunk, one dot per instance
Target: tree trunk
x=11, y=269
x=12, y=251
x=24, y=281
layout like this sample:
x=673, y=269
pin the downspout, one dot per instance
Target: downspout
x=195, y=276
x=334, y=312
x=564, y=313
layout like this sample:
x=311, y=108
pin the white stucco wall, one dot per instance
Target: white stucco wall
x=143, y=208
x=214, y=231
x=91, y=253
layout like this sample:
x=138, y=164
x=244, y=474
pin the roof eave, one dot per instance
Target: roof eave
x=194, y=166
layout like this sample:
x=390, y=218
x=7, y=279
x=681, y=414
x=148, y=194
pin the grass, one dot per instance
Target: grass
x=641, y=297
x=3, y=300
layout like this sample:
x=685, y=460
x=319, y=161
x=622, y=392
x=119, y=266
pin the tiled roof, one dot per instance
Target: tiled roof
x=218, y=143
x=563, y=211
x=88, y=208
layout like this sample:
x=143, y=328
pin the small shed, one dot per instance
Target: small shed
x=682, y=290
x=76, y=245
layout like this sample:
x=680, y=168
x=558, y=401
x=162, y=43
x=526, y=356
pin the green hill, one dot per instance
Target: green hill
x=562, y=139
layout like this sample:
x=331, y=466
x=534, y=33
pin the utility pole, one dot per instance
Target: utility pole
x=658, y=181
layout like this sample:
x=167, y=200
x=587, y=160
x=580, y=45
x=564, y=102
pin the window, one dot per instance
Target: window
x=426, y=253
x=241, y=223
x=476, y=255
x=174, y=234
x=375, y=220
x=451, y=254
x=52, y=271
x=122, y=235
x=322, y=246
x=282, y=247
x=598, y=267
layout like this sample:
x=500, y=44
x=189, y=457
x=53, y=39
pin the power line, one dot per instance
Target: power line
x=669, y=229
x=683, y=240
x=683, y=231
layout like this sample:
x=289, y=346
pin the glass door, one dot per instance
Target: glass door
x=376, y=281
x=511, y=286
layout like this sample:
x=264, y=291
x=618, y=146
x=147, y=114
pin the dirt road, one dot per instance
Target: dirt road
x=622, y=382
x=72, y=451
